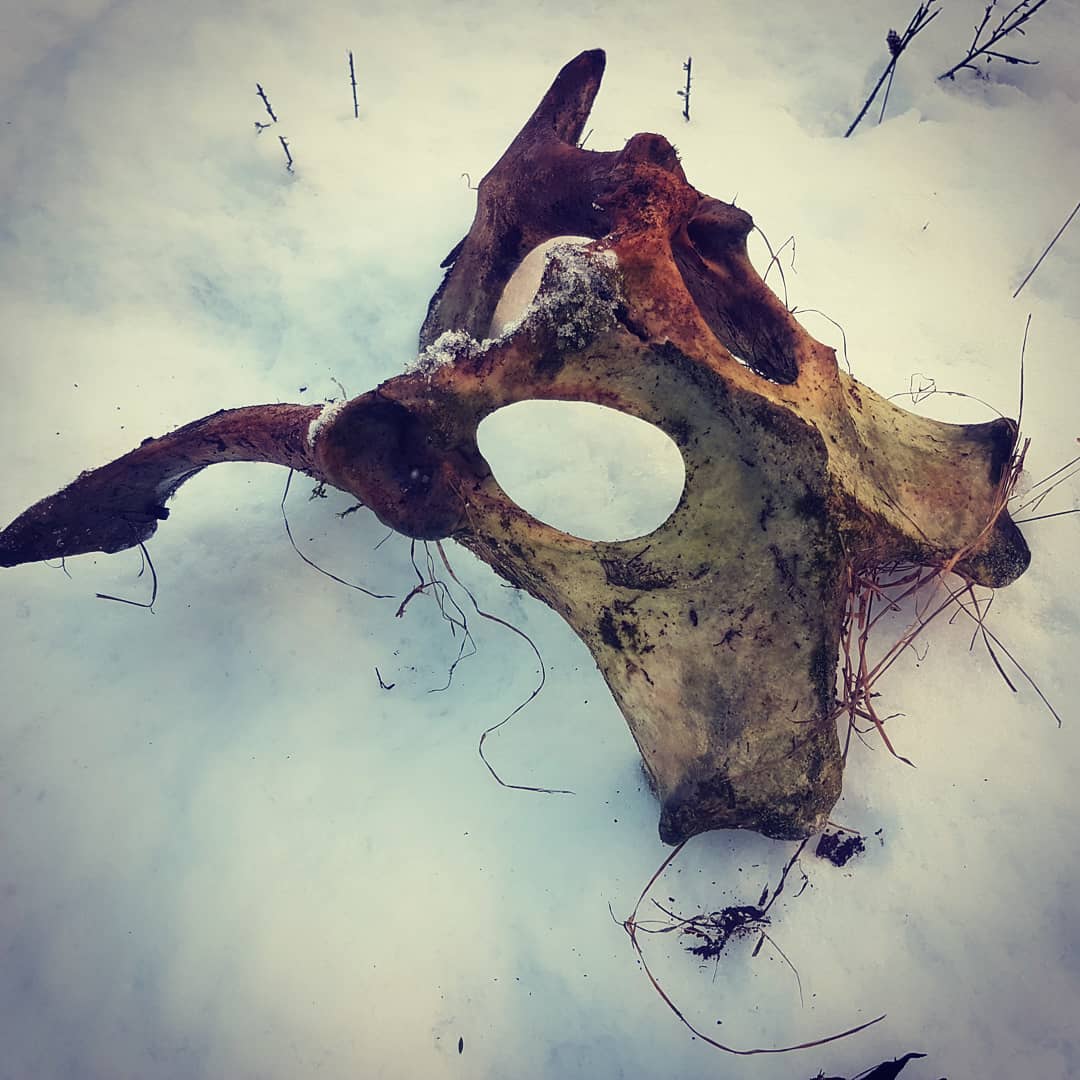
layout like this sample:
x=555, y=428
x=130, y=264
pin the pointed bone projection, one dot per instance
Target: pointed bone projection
x=718, y=633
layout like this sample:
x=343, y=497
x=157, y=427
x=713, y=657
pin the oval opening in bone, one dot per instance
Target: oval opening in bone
x=521, y=288
x=587, y=470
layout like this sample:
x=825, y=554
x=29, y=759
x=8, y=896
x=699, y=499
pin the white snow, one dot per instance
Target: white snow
x=328, y=413
x=224, y=850
x=591, y=471
x=445, y=349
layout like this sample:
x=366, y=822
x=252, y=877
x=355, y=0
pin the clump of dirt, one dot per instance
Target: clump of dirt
x=839, y=848
x=717, y=928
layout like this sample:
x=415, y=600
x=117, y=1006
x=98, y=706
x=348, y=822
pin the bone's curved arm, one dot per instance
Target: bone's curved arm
x=120, y=504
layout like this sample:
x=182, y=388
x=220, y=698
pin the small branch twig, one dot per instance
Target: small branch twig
x=266, y=102
x=1012, y=21
x=897, y=44
x=685, y=94
x=288, y=156
x=1038, y=262
x=352, y=78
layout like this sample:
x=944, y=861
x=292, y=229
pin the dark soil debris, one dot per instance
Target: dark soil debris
x=839, y=848
x=717, y=928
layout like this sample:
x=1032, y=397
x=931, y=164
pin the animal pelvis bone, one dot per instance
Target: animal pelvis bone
x=718, y=633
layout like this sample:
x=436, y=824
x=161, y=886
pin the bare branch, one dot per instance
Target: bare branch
x=897, y=43
x=352, y=79
x=288, y=156
x=1012, y=21
x=1038, y=261
x=266, y=101
x=685, y=93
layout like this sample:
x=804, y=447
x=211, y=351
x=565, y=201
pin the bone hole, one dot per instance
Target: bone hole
x=587, y=470
x=521, y=288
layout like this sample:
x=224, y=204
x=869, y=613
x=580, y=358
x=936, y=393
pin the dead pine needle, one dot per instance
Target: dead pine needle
x=927, y=593
x=1038, y=261
x=314, y=565
x=1034, y=497
x=449, y=609
x=149, y=604
x=774, y=260
x=532, y=696
x=751, y=915
x=1043, y=517
x=827, y=318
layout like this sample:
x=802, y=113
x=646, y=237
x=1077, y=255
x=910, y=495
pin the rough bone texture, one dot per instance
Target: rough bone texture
x=718, y=633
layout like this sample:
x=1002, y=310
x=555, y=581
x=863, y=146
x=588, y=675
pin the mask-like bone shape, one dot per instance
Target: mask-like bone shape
x=718, y=633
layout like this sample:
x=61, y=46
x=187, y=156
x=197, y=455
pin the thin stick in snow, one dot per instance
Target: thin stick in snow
x=288, y=156
x=1038, y=262
x=352, y=78
x=897, y=44
x=685, y=94
x=266, y=101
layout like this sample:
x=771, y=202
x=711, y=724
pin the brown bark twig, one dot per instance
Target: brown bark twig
x=352, y=79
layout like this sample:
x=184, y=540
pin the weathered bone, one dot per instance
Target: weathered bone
x=718, y=633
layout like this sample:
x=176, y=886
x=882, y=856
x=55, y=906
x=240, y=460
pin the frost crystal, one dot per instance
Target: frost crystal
x=443, y=350
x=578, y=294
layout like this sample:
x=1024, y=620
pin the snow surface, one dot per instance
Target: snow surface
x=633, y=480
x=226, y=852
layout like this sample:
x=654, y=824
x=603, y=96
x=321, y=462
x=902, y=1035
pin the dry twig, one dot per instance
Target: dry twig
x=288, y=156
x=310, y=562
x=1038, y=261
x=685, y=94
x=536, y=690
x=1012, y=21
x=352, y=79
x=266, y=101
x=897, y=44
